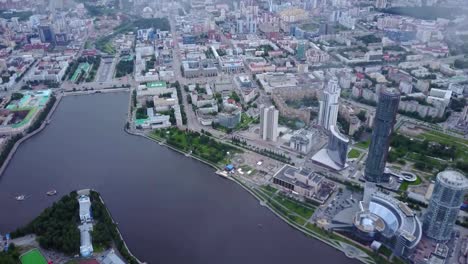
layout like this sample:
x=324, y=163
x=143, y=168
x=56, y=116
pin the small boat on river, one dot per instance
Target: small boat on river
x=21, y=197
x=51, y=192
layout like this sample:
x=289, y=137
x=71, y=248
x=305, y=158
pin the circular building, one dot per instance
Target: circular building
x=389, y=221
x=446, y=199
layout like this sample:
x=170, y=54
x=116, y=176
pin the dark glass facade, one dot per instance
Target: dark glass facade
x=337, y=147
x=384, y=121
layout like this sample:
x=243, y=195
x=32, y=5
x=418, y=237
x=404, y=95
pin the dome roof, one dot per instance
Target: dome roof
x=147, y=10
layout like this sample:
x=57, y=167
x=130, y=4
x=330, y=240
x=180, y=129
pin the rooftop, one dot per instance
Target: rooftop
x=453, y=178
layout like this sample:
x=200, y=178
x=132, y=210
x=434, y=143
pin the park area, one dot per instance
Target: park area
x=198, y=144
x=82, y=70
x=430, y=150
x=33, y=256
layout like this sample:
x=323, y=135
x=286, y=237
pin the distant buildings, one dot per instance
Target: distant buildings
x=46, y=34
x=199, y=68
x=301, y=50
x=269, y=123
x=448, y=194
x=329, y=105
x=380, y=4
x=383, y=126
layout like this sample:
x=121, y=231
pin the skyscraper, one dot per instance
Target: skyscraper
x=46, y=33
x=385, y=116
x=301, y=50
x=449, y=190
x=329, y=105
x=269, y=123
x=337, y=148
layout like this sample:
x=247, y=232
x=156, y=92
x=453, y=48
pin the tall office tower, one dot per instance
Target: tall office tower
x=301, y=50
x=337, y=148
x=240, y=26
x=46, y=33
x=269, y=123
x=449, y=190
x=328, y=113
x=385, y=116
x=380, y=3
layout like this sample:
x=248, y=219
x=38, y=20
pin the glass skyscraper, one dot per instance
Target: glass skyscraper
x=449, y=190
x=337, y=148
x=385, y=116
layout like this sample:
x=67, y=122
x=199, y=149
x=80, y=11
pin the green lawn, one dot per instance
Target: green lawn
x=363, y=144
x=33, y=257
x=245, y=122
x=354, y=154
x=294, y=206
x=269, y=190
x=460, y=143
x=441, y=138
x=404, y=185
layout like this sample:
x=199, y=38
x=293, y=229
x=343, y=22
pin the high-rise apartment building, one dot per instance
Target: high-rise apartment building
x=46, y=33
x=328, y=113
x=449, y=190
x=269, y=123
x=384, y=121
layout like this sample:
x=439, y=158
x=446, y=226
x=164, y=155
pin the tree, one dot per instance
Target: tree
x=16, y=96
x=362, y=116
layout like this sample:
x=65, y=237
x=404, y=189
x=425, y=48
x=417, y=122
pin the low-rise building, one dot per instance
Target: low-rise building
x=304, y=182
x=302, y=141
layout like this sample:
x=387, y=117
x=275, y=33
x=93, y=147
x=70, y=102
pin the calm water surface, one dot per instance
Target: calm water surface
x=170, y=208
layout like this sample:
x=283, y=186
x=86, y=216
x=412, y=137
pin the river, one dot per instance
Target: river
x=169, y=208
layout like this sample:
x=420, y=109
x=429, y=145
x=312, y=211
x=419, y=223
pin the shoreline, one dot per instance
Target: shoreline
x=129, y=132
x=46, y=121
x=263, y=202
x=117, y=229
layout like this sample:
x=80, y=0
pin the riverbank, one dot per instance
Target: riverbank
x=348, y=249
x=106, y=219
x=18, y=142
x=155, y=194
x=187, y=154
x=46, y=121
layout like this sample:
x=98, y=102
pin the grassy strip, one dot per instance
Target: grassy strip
x=404, y=185
x=354, y=154
x=270, y=190
x=294, y=206
x=363, y=144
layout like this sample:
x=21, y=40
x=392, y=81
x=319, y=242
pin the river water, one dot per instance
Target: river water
x=169, y=208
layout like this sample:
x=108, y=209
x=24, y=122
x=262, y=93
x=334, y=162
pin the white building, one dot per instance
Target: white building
x=85, y=208
x=302, y=141
x=439, y=95
x=329, y=105
x=269, y=123
x=86, y=245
